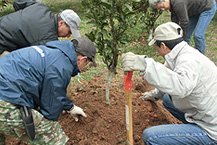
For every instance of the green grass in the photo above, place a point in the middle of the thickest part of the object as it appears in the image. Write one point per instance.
(57, 5)
(211, 40)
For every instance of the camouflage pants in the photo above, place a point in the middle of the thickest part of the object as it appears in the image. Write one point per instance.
(46, 131)
(4, 53)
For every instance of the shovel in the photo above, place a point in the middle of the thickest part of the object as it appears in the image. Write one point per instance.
(128, 107)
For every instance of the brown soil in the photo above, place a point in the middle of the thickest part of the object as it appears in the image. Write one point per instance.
(106, 125)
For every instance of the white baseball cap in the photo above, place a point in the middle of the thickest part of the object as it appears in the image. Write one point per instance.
(167, 31)
(72, 19)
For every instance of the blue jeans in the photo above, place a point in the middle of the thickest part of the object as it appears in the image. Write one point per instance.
(198, 26)
(176, 134)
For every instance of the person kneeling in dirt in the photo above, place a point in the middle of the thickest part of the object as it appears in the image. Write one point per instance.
(37, 77)
(187, 82)
(33, 23)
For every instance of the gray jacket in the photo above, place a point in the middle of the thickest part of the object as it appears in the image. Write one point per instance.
(190, 78)
(32, 24)
(181, 10)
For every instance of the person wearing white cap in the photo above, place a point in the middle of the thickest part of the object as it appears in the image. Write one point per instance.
(186, 82)
(33, 23)
(72, 20)
(193, 16)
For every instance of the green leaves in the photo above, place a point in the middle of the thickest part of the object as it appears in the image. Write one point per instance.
(106, 3)
(110, 18)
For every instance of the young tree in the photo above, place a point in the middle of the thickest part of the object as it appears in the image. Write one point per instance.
(111, 20)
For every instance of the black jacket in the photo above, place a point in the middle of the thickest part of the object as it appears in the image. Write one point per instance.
(181, 10)
(32, 24)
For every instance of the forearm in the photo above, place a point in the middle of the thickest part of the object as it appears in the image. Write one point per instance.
(166, 80)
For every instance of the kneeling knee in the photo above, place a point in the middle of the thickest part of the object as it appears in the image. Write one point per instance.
(147, 136)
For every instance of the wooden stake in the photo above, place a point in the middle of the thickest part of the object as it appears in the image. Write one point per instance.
(128, 107)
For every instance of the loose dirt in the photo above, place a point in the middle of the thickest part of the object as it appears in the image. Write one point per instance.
(105, 124)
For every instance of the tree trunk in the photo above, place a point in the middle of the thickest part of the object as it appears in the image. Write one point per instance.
(111, 74)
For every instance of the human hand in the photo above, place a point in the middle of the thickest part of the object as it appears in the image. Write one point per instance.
(76, 112)
(133, 62)
(152, 95)
(148, 96)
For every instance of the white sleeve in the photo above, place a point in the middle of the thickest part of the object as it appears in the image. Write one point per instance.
(178, 83)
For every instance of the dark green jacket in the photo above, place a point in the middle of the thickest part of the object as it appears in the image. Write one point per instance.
(32, 24)
(181, 10)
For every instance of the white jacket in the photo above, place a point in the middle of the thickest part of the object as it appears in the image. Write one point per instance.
(191, 79)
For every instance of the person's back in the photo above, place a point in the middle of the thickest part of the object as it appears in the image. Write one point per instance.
(206, 69)
(34, 68)
(32, 24)
(33, 84)
(196, 89)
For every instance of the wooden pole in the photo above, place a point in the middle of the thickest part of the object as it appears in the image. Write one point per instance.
(128, 107)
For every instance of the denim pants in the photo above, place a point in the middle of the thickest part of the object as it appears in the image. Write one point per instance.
(176, 134)
(198, 26)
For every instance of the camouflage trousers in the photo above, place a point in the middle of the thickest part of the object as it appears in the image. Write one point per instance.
(4, 53)
(46, 131)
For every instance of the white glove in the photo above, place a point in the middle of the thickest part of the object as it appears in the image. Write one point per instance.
(133, 62)
(76, 112)
(152, 95)
(148, 96)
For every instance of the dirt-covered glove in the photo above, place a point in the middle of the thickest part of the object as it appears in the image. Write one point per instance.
(152, 95)
(76, 111)
(133, 62)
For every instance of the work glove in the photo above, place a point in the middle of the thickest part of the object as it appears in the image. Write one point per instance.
(152, 95)
(76, 111)
(133, 62)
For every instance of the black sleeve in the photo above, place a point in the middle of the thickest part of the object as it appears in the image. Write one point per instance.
(180, 16)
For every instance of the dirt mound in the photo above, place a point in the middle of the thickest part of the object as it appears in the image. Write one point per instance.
(105, 125)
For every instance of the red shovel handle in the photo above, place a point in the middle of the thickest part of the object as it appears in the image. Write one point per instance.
(128, 81)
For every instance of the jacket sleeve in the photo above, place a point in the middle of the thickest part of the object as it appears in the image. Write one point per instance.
(180, 16)
(21, 4)
(178, 82)
(174, 18)
(54, 91)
